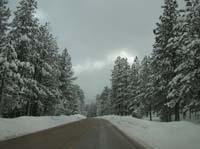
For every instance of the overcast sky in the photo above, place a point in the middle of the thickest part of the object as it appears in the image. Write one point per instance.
(97, 31)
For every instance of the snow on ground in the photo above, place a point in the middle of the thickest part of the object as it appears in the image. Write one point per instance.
(11, 128)
(159, 135)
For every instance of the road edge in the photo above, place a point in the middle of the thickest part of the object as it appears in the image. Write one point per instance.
(35, 132)
(140, 144)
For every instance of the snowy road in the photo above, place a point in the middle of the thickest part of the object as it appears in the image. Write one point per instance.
(85, 134)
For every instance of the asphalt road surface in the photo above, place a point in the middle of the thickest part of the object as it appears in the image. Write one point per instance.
(85, 134)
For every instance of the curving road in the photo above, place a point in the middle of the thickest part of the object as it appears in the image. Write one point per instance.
(85, 134)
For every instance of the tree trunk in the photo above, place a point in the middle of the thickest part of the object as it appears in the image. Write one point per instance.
(195, 114)
(190, 111)
(176, 110)
(29, 109)
(45, 109)
(35, 109)
(169, 117)
(1, 98)
(147, 114)
(150, 114)
(184, 115)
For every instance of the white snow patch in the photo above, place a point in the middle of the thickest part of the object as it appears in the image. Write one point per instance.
(11, 128)
(159, 135)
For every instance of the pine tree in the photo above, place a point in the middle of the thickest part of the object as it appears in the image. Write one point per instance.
(25, 30)
(78, 100)
(8, 65)
(133, 88)
(120, 78)
(185, 85)
(114, 86)
(106, 103)
(103, 102)
(4, 25)
(66, 82)
(164, 57)
(9, 91)
(146, 87)
(48, 71)
(4, 17)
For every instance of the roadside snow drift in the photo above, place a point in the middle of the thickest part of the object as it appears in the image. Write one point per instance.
(11, 128)
(159, 135)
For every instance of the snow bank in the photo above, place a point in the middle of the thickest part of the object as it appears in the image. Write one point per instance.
(10, 128)
(159, 135)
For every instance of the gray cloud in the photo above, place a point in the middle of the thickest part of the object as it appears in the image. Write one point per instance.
(95, 31)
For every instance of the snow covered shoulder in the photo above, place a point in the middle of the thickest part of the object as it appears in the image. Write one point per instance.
(11, 128)
(159, 135)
